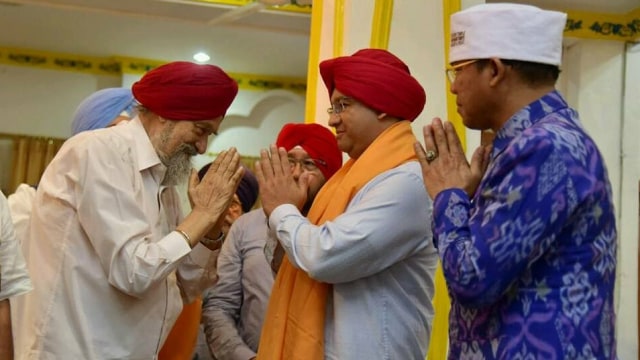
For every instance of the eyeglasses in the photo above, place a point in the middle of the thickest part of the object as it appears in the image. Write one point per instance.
(308, 164)
(453, 71)
(235, 202)
(340, 105)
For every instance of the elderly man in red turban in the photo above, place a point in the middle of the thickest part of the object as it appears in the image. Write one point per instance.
(112, 258)
(357, 281)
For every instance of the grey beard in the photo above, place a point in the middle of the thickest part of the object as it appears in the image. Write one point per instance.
(178, 165)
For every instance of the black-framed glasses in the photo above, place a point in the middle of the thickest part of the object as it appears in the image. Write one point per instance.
(453, 71)
(340, 105)
(308, 164)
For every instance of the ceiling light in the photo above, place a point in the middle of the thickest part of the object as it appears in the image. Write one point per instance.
(201, 57)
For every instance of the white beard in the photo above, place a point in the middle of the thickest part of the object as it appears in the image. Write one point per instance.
(179, 162)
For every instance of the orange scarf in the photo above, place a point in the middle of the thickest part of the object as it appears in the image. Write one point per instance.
(294, 323)
(182, 340)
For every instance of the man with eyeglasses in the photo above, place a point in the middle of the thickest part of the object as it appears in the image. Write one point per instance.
(113, 258)
(526, 233)
(187, 333)
(357, 281)
(233, 309)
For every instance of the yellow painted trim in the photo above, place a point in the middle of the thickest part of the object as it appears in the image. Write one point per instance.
(268, 82)
(303, 9)
(137, 66)
(439, 343)
(315, 41)
(449, 7)
(224, 2)
(381, 25)
(58, 61)
(118, 65)
(588, 25)
(338, 28)
(306, 9)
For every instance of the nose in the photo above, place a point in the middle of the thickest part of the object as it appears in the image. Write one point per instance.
(296, 170)
(453, 88)
(334, 120)
(201, 145)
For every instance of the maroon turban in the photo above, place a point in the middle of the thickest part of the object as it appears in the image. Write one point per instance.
(183, 90)
(378, 79)
(318, 141)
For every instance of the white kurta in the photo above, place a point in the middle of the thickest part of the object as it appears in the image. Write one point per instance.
(20, 205)
(14, 279)
(102, 254)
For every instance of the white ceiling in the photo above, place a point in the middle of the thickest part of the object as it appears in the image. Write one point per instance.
(175, 29)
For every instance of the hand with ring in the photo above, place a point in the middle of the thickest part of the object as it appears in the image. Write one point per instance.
(452, 170)
(431, 155)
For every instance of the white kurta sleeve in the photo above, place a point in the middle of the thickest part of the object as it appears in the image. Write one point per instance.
(14, 279)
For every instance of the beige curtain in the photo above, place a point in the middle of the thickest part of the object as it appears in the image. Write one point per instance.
(249, 162)
(31, 155)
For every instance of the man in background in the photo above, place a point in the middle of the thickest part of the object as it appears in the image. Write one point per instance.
(187, 332)
(103, 108)
(14, 279)
(234, 309)
(528, 248)
(111, 256)
(357, 279)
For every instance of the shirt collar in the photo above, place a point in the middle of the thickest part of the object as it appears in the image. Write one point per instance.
(147, 157)
(525, 118)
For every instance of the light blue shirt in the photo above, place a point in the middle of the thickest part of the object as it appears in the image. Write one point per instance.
(379, 257)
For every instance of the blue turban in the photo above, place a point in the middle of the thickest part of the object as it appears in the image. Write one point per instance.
(101, 108)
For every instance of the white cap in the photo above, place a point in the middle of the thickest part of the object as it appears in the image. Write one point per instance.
(507, 31)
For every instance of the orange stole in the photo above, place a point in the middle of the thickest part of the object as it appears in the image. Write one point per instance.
(294, 323)
(182, 339)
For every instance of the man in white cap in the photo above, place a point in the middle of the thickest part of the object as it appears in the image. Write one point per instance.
(526, 233)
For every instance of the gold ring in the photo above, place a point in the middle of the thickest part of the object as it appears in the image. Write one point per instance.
(431, 155)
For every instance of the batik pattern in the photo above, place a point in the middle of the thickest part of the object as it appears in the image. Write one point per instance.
(530, 260)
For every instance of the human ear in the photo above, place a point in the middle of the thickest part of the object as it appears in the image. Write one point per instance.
(498, 71)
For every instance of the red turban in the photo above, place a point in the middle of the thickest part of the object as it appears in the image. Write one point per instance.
(318, 141)
(183, 90)
(378, 79)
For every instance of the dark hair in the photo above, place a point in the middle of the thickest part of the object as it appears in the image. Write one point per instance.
(533, 74)
(247, 189)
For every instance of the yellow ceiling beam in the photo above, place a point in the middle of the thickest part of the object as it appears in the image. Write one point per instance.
(305, 9)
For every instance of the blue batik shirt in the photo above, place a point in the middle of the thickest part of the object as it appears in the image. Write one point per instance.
(530, 261)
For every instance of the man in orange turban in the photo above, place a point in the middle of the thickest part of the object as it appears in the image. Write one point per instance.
(357, 281)
(112, 258)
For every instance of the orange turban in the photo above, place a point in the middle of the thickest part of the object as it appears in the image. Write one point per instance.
(183, 90)
(378, 79)
(318, 141)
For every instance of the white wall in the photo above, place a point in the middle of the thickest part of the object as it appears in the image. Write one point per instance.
(41, 102)
(248, 50)
(628, 207)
